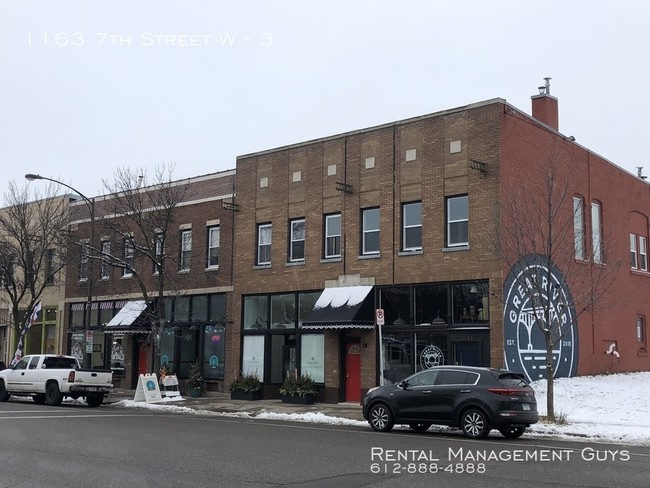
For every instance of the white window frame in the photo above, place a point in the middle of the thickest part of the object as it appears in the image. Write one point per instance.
(331, 236)
(408, 225)
(643, 253)
(579, 228)
(186, 250)
(264, 242)
(214, 242)
(159, 248)
(596, 232)
(634, 260)
(297, 236)
(105, 267)
(129, 256)
(640, 330)
(369, 231)
(458, 219)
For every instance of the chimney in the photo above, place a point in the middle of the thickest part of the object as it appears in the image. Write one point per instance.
(545, 106)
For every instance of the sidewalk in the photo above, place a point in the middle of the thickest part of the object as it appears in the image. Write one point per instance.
(221, 402)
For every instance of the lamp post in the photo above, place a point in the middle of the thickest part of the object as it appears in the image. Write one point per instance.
(89, 302)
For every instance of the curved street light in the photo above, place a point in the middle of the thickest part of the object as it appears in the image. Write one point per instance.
(89, 302)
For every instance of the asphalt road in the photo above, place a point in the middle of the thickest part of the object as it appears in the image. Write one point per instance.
(109, 446)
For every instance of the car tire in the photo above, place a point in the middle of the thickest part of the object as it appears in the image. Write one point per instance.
(380, 418)
(53, 395)
(511, 432)
(95, 400)
(4, 394)
(474, 424)
(39, 398)
(420, 427)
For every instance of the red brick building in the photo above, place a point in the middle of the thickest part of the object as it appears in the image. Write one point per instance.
(402, 217)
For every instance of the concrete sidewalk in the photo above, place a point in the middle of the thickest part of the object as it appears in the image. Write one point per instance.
(221, 402)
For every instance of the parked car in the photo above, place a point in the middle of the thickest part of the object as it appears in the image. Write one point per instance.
(475, 399)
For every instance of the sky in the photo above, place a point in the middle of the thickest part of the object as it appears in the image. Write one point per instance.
(592, 406)
(91, 86)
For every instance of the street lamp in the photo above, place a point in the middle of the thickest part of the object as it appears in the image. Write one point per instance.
(91, 206)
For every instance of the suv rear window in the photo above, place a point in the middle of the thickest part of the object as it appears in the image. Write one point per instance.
(512, 379)
(60, 363)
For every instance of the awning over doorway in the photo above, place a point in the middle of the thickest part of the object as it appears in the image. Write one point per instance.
(127, 315)
(346, 307)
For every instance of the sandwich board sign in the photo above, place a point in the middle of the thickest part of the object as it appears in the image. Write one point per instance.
(147, 389)
(170, 385)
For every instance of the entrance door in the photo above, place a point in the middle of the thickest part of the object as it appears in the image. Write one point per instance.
(352, 373)
(467, 353)
(142, 361)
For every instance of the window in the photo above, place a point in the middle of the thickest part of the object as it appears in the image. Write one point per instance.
(640, 330)
(578, 228)
(264, 236)
(457, 221)
(643, 254)
(84, 262)
(159, 245)
(49, 267)
(633, 258)
(105, 269)
(129, 257)
(333, 236)
(370, 237)
(214, 236)
(297, 240)
(412, 226)
(186, 250)
(596, 232)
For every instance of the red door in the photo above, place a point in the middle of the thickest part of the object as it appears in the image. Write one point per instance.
(353, 373)
(142, 361)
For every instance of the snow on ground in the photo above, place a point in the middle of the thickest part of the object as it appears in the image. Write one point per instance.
(610, 408)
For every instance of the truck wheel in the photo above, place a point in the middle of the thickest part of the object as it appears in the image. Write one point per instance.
(39, 398)
(4, 395)
(53, 395)
(95, 400)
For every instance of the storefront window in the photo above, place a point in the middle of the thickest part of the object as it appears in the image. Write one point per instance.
(217, 308)
(306, 303)
(167, 349)
(256, 312)
(431, 350)
(283, 311)
(34, 340)
(200, 308)
(50, 339)
(470, 302)
(182, 309)
(105, 315)
(396, 349)
(396, 302)
(77, 319)
(283, 356)
(188, 350)
(214, 349)
(312, 356)
(253, 356)
(431, 304)
(117, 357)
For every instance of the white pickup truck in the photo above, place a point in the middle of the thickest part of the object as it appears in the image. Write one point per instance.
(48, 378)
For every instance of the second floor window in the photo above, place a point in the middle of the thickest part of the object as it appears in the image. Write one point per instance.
(214, 236)
(596, 232)
(297, 245)
(638, 252)
(457, 221)
(129, 257)
(264, 237)
(159, 245)
(370, 238)
(333, 236)
(186, 250)
(84, 262)
(412, 226)
(578, 228)
(105, 269)
(640, 330)
(49, 267)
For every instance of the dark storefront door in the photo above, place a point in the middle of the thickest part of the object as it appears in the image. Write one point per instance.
(467, 353)
(352, 373)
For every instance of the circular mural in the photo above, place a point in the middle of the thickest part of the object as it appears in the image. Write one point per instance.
(530, 292)
(431, 356)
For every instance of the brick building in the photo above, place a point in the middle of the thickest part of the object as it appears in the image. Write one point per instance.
(403, 217)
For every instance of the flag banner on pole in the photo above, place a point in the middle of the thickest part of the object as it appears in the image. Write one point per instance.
(19, 348)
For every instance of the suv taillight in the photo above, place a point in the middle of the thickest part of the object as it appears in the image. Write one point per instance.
(509, 391)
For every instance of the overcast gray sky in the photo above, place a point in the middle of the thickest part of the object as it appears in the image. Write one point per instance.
(90, 86)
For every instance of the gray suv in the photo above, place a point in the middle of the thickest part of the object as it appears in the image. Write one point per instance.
(474, 399)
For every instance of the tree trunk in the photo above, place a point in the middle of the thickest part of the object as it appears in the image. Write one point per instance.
(550, 411)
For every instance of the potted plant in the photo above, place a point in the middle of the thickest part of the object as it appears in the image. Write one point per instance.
(247, 387)
(194, 381)
(298, 389)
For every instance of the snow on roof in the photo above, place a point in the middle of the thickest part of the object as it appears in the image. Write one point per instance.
(347, 296)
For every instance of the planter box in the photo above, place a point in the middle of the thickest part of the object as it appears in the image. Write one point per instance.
(195, 392)
(301, 400)
(246, 395)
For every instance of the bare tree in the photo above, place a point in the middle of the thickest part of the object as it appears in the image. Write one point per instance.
(556, 275)
(33, 246)
(141, 214)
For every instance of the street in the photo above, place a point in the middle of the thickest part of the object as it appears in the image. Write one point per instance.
(109, 446)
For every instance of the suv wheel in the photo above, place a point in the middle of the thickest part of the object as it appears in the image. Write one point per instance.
(380, 418)
(474, 424)
(511, 432)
